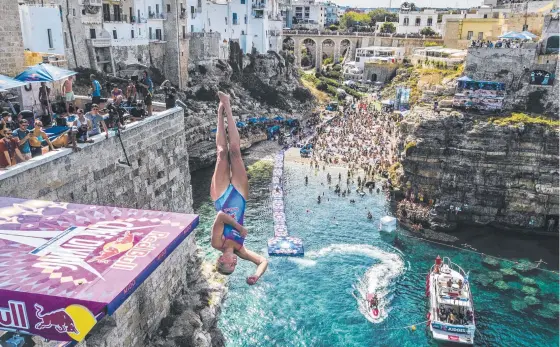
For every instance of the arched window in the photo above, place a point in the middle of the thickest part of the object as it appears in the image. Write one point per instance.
(552, 44)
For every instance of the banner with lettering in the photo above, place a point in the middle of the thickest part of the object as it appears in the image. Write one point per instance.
(65, 265)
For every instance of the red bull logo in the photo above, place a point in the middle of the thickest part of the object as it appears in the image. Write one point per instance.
(14, 316)
(111, 249)
(58, 319)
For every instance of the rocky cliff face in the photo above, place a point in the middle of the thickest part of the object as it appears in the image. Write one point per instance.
(259, 85)
(479, 172)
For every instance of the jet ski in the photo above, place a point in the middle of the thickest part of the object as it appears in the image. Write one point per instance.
(375, 309)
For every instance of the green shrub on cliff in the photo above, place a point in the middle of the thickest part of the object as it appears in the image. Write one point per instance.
(409, 145)
(517, 118)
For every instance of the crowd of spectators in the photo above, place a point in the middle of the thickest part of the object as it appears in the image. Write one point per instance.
(24, 136)
(497, 44)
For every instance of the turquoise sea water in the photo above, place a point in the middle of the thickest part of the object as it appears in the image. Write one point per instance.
(317, 300)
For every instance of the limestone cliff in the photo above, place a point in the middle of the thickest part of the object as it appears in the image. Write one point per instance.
(259, 85)
(501, 175)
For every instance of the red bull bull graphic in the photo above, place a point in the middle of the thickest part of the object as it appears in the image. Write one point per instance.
(64, 266)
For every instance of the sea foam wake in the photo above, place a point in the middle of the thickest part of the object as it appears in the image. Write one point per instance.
(377, 279)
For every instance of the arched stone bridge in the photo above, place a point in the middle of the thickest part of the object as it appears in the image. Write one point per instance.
(344, 42)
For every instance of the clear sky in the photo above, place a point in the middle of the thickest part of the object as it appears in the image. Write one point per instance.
(419, 3)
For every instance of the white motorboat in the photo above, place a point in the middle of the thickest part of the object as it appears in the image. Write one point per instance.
(451, 314)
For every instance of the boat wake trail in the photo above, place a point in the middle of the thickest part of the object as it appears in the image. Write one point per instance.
(377, 279)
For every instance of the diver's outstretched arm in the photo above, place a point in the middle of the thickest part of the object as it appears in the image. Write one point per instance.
(259, 260)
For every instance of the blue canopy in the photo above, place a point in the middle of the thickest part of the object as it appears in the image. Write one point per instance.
(512, 35)
(214, 130)
(529, 34)
(240, 124)
(252, 120)
(262, 119)
(278, 118)
(44, 73)
(9, 83)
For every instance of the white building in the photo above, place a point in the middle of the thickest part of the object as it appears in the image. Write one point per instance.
(41, 29)
(253, 23)
(379, 55)
(448, 56)
(412, 22)
(308, 14)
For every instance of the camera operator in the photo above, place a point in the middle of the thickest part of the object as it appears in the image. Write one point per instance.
(116, 114)
(170, 94)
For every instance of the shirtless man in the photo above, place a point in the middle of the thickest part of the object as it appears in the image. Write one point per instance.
(229, 191)
(68, 92)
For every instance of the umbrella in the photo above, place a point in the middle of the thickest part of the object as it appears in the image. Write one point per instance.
(464, 79)
(263, 119)
(529, 34)
(9, 83)
(240, 124)
(214, 130)
(44, 73)
(278, 118)
(512, 35)
(252, 120)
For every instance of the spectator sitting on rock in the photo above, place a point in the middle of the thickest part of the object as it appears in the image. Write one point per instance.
(37, 138)
(96, 119)
(23, 135)
(9, 149)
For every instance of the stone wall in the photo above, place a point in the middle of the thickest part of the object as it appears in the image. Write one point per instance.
(11, 40)
(204, 48)
(513, 66)
(382, 72)
(501, 175)
(124, 55)
(159, 178)
(179, 302)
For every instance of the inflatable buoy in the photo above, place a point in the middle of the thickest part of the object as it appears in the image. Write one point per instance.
(413, 328)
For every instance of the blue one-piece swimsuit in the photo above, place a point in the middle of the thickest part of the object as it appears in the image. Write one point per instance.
(232, 203)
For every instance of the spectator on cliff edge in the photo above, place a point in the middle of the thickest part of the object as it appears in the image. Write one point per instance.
(95, 90)
(131, 93)
(23, 135)
(96, 119)
(148, 90)
(9, 150)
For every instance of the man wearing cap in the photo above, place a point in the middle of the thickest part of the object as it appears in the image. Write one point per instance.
(9, 150)
(23, 135)
(96, 119)
(95, 90)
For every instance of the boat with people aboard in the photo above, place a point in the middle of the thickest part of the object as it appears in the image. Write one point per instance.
(451, 314)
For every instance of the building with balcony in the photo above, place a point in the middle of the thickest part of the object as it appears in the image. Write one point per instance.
(447, 56)
(109, 35)
(308, 14)
(330, 13)
(252, 23)
(379, 55)
(412, 22)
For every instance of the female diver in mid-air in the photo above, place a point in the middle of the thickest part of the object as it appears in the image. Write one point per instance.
(229, 191)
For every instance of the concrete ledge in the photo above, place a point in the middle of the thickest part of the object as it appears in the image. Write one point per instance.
(59, 153)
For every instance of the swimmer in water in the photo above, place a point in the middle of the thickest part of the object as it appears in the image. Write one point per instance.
(319, 199)
(229, 191)
(369, 215)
